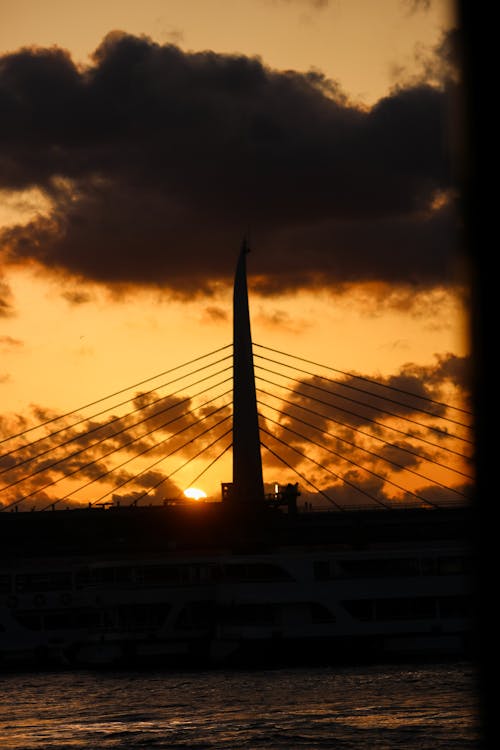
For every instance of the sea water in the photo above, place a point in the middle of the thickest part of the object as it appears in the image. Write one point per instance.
(378, 707)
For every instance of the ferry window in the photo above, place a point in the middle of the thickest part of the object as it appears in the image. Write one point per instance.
(320, 613)
(379, 567)
(146, 616)
(251, 613)
(360, 609)
(205, 573)
(428, 566)
(267, 572)
(61, 580)
(30, 620)
(74, 619)
(157, 575)
(102, 577)
(239, 572)
(105, 618)
(195, 615)
(82, 578)
(451, 565)
(455, 606)
(189, 573)
(95, 577)
(235, 572)
(59, 620)
(123, 575)
(46, 581)
(5, 584)
(216, 573)
(405, 608)
(322, 570)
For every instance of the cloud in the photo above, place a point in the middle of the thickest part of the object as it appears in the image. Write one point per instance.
(215, 314)
(282, 320)
(413, 6)
(374, 400)
(6, 306)
(119, 454)
(76, 297)
(437, 65)
(310, 3)
(155, 161)
(367, 436)
(8, 343)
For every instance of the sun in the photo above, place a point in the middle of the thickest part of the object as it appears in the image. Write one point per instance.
(193, 493)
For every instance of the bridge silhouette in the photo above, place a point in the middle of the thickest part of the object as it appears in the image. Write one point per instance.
(349, 441)
(347, 438)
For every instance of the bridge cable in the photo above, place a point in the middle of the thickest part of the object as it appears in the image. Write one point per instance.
(214, 461)
(111, 395)
(356, 429)
(360, 466)
(115, 450)
(193, 458)
(360, 447)
(368, 380)
(85, 433)
(303, 477)
(160, 460)
(346, 481)
(113, 435)
(364, 417)
(441, 432)
(144, 471)
(365, 391)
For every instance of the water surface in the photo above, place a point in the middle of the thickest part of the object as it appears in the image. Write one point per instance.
(432, 706)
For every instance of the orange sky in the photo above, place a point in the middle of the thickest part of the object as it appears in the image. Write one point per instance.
(65, 343)
(364, 45)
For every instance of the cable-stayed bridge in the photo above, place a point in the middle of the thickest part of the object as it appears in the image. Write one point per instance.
(258, 574)
(349, 441)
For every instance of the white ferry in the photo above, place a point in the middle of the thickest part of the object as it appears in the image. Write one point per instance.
(225, 608)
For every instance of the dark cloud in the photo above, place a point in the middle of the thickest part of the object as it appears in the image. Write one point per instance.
(101, 454)
(6, 305)
(76, 297)
(416, 5)
(449, 55)
(8, 342)
(156, 161)
(438, 65)
(216, 314)
(360, 401)
(324, 429)
(310, 3)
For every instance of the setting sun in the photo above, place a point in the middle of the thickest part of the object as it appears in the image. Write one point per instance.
(193, 493)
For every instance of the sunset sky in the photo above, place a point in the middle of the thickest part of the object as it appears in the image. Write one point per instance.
(139, 143)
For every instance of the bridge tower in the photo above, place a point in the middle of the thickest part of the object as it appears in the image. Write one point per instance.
(248, 483)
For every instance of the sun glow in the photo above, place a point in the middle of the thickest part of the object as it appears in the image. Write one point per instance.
(193, 493)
